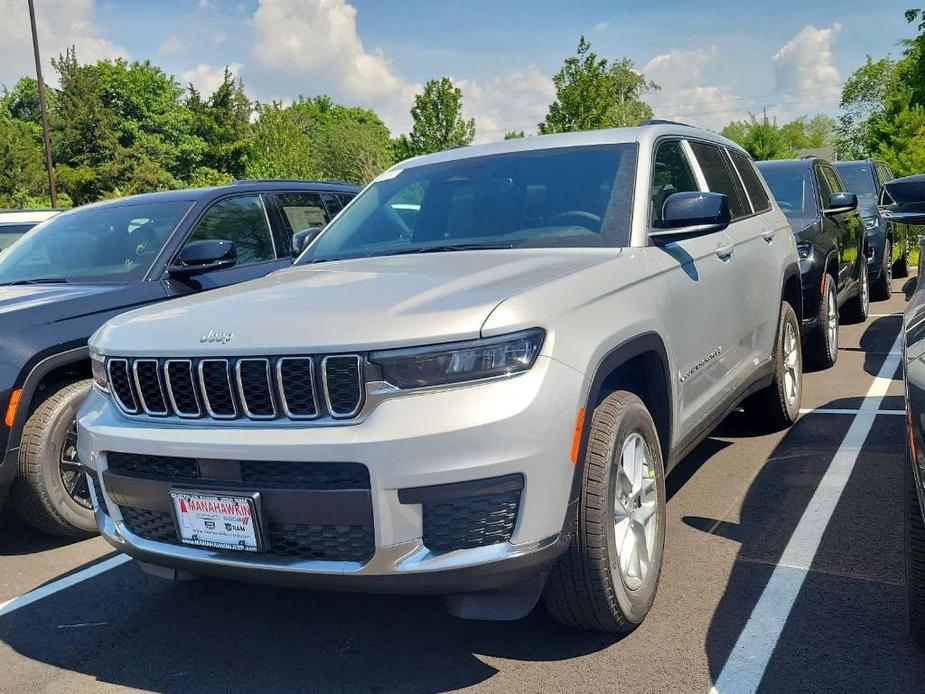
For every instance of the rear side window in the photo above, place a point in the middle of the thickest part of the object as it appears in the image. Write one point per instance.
(756, 193)
(301, 211)
(243, 221)
(835, 182)
(824, 185)
(721, 179)
(670, 174)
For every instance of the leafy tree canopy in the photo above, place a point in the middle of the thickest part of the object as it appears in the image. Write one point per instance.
(437, 119)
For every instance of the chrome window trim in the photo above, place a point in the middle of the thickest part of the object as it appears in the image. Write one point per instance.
(327, 395)
(240, 387)
(205, 392)
(128, 376)
(141, 395)
(282, 389)
(192, 378)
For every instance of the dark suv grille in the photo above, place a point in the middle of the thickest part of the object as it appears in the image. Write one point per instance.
(252, 388)
(474, 521)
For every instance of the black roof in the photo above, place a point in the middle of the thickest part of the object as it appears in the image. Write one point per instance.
(255, 186)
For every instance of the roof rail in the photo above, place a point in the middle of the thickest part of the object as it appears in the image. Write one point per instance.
(241, 181)
(660, 121)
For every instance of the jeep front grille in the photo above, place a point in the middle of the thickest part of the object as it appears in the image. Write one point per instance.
(256, 388)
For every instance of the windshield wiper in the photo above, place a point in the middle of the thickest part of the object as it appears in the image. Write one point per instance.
(38, 280)
(455, 247)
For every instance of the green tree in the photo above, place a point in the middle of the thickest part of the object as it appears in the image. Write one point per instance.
(762, 138)
(222, 122)
(514, 135)
(278, 148)
(592, 93)
(437, 119)
(864, 96)
(22, 166)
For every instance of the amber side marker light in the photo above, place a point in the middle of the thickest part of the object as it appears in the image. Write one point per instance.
(576, 437)
(12, 407)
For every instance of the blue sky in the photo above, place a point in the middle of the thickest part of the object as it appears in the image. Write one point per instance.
(715, 60)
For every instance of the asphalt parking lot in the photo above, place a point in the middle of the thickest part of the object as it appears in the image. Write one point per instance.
(784, 567)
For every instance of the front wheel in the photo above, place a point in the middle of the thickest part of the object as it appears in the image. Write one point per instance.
(51, 491)
(822, 345)
(778, 405)
(901, 266)
(856, 309)
(882, 287)
(607, 578)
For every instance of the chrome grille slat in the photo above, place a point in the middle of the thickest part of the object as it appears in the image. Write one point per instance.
(218, 384)
(185, 387)
(152, 400)
(251, 388)
(121, 382)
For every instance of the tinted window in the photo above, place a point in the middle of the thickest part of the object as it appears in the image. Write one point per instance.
(825, 186)
(792, 188)
(546, 198)
(112, 243)
(859, 179)
(746, 168)
(11, 232)
(835, 181)
(720, 177)
(670, 174)
(333, 203)
(301, 211)
(243, 221)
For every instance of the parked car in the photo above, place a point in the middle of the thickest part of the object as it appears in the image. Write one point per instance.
(832, 245)
(888, 241)
(904, 203)
(64, 279)
(15, 223)
(475, 394)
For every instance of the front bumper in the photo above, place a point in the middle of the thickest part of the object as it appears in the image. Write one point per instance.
(521, 426)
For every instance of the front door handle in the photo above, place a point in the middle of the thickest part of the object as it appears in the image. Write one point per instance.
(768, 234)
(724, 251)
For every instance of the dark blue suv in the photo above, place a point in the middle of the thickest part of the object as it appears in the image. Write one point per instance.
(69, 275)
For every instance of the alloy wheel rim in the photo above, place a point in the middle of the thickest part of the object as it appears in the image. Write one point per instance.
(72, 471)
(832, 326)
(865, 298)
(791, 364)
(888, 265)
(635, 504)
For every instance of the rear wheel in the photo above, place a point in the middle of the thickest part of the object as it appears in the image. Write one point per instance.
(778, 405)
(901, 266)
(822, 346)
(51, 491)
(882, 287)
(606, 580)
(856, 309)
(915, 559)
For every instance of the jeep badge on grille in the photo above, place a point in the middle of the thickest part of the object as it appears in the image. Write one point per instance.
(216, 337)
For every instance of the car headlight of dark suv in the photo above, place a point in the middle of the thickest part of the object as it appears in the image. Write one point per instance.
(805, 250)
(458, 362)
(100, 376)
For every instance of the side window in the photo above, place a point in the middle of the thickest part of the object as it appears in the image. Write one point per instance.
(301, 211)
(835, 182)
(721, 179)
(824, 185)
(746, 168)
(670, 174)
(333, 203)
(345, 198)
(243, 221)
(884, 174)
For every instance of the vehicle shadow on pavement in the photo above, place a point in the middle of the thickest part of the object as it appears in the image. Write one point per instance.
(17, 538)
(847, 630)
(123, 627)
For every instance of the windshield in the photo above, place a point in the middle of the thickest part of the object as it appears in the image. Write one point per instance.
(110, 244)
(859, 179)
(11, 232)
(574, 197)
(792, 189)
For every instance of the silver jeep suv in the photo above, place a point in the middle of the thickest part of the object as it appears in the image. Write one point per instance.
(472, 383)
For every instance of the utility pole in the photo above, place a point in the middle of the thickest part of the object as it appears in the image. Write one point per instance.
(43, 107)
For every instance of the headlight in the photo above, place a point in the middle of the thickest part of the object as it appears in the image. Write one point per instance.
(805, 249)
(100, 377)
(870, 222)
(457, 362)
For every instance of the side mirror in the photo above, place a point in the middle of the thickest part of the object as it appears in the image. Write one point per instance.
(903, 200)
(839, 203)
(302, 239)
(691, 214)
(203, 256)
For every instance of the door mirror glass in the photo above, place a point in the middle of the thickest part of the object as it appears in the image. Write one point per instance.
(302, 239)
(840, 203)
(204, 256)
(692, 214)
(903, 200)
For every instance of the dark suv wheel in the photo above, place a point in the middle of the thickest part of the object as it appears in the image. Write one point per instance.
(882, 287)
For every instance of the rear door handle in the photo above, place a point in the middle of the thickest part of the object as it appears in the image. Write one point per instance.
(724, 251)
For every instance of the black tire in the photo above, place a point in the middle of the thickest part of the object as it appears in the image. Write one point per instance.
(901, 266)
(822, 345)
(587, 588)
(39, 494)
(915, 558)
(778, 405)
(882, 287)
(855, 311)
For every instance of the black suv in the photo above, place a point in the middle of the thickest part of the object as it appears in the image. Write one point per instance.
(888, 240)
(832, 245)
(60, 282)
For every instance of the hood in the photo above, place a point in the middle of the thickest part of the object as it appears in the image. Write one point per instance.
(801, 226)
(25, 306)
(360, 304)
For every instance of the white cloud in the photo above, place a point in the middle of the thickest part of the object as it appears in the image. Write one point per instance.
(602, 26)
(205, 4)
(172, 45)
(219, 38)
(206, 79)
(804, 75)
(312, 46)
(515, 100)
(60, 25)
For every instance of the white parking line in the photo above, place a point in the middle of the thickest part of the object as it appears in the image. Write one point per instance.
(749, 657)
(55, 586)
(838, 410)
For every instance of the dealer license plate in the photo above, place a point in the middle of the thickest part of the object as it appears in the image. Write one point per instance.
(211, 520)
